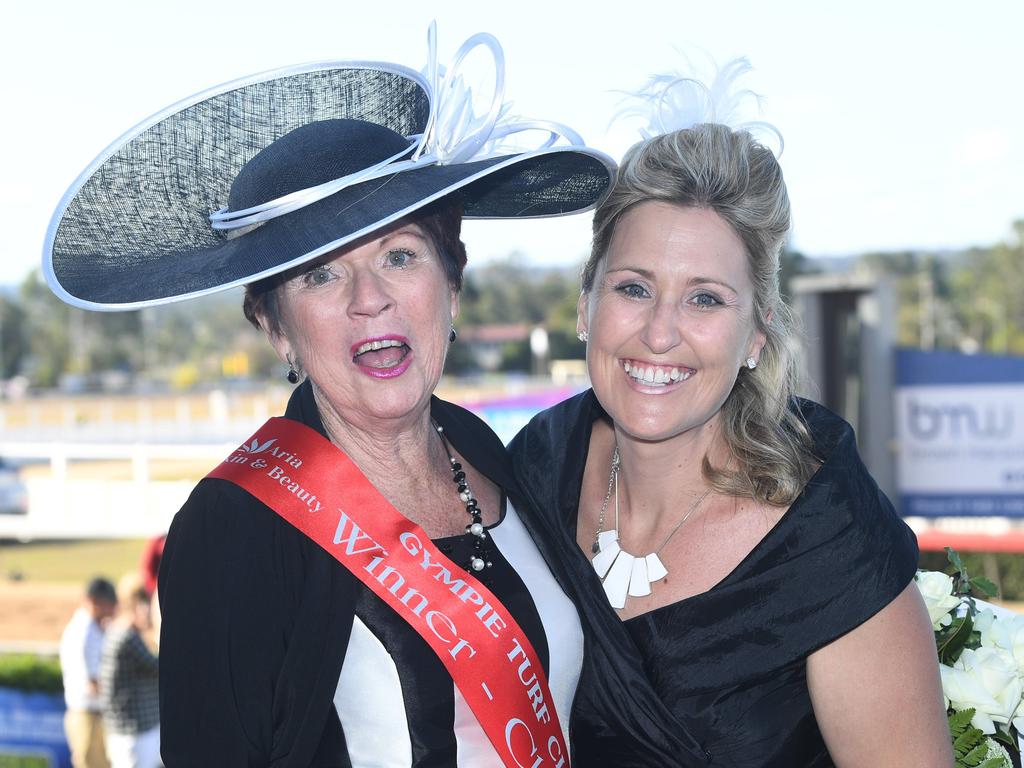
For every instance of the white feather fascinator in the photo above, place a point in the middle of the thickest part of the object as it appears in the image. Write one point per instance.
(676, 101)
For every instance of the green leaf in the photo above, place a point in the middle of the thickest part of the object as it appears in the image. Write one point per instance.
(970, 745)
(954, 559)
(969, 755)
(984, 586)
(1008, 741)
(951, 645)
(967, 745)
(966, 738)
(975, 757)
(960, 721)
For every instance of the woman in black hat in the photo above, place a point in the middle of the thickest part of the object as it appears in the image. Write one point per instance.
(357, 584)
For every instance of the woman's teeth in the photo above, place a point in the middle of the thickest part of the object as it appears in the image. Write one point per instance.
(655, 375)
(375, 345)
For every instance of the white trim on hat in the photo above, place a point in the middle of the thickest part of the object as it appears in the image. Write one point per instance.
(339, 242)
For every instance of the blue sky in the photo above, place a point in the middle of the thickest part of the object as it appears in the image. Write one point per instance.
(903, 120)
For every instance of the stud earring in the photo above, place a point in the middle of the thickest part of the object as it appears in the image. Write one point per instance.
(293, 374)
(751, 363)
(582, 336)
(452, 335)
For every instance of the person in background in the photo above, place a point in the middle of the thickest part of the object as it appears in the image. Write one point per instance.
(129, 694)
(149, 565)
(81, 647)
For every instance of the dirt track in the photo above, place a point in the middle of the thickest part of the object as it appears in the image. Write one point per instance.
(33, 614)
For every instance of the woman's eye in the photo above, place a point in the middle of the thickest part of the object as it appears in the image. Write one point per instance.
(317, 276)
(399, 258)
(633, 290)
(706, 300)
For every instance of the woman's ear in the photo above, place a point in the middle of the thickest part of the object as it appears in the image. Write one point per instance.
(277, 338)
(757, 346)
(455, 305)
(281, 346)
(760, 339)
(582, 320)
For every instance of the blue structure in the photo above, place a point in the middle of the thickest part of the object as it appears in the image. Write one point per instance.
(960, 430)
(32, 730)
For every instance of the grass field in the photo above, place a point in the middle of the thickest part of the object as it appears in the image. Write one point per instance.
(41, 584)
(69, 561)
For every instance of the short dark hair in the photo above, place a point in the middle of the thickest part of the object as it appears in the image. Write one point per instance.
(440, 221)
(100, 590)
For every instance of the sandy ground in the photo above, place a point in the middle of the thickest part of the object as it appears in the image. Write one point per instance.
(33, 615)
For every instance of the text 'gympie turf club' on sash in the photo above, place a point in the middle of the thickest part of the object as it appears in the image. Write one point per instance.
(313, 485)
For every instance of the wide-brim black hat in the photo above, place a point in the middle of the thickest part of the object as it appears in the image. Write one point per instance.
(134, 229)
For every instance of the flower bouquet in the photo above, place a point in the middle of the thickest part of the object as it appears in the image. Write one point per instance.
(981, 658)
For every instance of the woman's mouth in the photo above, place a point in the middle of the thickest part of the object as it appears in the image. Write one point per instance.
(650, 375)
(384, 357)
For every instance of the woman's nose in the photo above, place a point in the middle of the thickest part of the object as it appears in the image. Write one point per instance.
(369, 294)
(661, 332)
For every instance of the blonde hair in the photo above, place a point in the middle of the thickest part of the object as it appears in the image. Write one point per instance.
(714, 167)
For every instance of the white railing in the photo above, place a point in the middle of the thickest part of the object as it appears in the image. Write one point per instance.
(63, 505)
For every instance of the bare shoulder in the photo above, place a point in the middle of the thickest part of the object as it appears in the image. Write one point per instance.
(883, 677)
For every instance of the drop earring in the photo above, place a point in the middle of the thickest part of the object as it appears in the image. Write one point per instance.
(293, 374)
(452, 335)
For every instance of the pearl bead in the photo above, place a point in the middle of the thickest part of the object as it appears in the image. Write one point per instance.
(476, 527)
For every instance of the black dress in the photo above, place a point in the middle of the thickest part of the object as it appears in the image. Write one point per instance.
(261, 627)
(726, 669)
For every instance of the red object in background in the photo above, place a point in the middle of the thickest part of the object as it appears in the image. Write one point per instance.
(936, 541)
(150, 564)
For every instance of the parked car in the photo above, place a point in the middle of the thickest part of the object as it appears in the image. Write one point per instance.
(13, 494)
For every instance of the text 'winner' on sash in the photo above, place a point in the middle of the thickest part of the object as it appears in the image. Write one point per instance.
(312, 484)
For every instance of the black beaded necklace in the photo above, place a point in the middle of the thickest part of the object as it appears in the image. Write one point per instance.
(479, 560)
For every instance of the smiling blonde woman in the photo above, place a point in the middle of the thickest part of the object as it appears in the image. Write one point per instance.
(751, 586)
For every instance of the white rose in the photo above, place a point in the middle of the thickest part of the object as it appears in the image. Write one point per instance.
(987, 680)
(937, 590)
(983, 620)
(1003, 632)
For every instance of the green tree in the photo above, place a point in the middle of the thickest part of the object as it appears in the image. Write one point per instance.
(13, 337)
(925, 297)
(510, 291)
(48, 324)
(989, 295)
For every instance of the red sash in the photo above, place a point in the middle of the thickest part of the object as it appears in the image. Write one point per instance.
(313, 485)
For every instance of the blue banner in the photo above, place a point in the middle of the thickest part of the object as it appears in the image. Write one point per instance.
(32, 730)
(960, 433)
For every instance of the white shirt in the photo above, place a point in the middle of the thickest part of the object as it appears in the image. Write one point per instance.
(372, 699)
(81, 648)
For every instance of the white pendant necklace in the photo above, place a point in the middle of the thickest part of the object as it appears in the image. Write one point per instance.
(624, 574)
